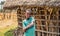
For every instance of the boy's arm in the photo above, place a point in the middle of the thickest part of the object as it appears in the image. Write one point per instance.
(31, 24)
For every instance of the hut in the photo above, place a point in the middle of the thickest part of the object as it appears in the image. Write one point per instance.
(46, 13)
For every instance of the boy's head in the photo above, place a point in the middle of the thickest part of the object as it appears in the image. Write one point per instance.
(28, 13)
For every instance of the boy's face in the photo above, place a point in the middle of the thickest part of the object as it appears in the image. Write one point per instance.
(27, 15)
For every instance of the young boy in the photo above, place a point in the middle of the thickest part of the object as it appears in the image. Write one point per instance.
(28, 24)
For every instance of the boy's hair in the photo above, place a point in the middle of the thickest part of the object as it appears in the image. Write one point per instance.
(28, 11)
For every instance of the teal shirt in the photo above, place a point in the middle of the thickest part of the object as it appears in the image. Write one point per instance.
(30, 31)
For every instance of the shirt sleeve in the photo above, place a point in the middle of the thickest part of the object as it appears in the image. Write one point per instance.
(33, 20)
(23, 23)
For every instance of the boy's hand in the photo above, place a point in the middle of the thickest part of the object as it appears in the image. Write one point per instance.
(24, 30)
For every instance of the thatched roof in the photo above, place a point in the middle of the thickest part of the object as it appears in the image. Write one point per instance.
(11, 3)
